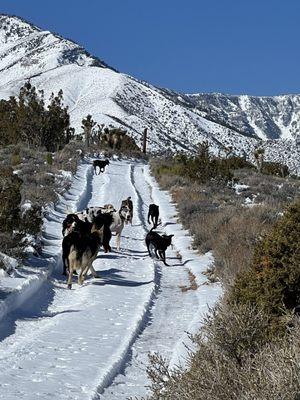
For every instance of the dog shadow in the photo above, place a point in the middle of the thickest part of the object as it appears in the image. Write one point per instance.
(112, 277)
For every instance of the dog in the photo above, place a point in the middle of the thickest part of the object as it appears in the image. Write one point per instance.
(74, 222)
(81, 250)
(101, 164)
(80, 229)
(128, 202)
(153, 212)
(118, 221)
(91, 212)
(160, 243)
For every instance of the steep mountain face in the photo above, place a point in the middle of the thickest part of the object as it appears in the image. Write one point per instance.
(263, 117)
(26, 50)
(231, 124)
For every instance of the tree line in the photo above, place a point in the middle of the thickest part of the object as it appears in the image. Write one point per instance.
(26, 118)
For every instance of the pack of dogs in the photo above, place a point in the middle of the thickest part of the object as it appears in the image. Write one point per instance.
(85, 232)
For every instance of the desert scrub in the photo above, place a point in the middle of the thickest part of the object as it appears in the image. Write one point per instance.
(273, 281)
(218, 217)
(234, 360)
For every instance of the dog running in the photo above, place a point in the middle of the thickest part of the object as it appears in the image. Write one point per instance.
(159, 243)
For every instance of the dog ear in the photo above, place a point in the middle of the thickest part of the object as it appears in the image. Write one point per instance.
(171, 236)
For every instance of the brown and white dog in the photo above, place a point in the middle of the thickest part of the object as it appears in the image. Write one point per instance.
(86, 215)
(79, 251)
(119, 219)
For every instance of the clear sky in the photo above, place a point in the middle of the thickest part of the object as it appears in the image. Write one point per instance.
(229, 46)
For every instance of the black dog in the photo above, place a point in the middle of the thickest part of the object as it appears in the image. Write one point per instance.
(154, 214)
(160, 244)
(81, 230)
(106, 220)
(72, 222)
(101, 164)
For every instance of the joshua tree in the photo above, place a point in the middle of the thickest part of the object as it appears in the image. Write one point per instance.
(87, 125)
(259, 158)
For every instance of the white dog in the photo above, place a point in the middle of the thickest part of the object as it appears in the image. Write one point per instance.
(119, 219)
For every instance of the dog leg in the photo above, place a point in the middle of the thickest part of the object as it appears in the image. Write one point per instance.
(150, 255)
(84, 272)
(70, 277)
(118, 240)
(94, 273)
(163, 257)
(80, 277)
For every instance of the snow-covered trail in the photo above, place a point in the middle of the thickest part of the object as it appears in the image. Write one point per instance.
(92, 342)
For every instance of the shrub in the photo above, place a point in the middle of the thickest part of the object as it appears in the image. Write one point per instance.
(273, 282)
(10, 186)
(275, 168)
(49, 159)
(233, 361)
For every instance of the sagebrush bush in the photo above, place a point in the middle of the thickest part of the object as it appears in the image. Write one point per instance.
(273, 282)
(10, 194)
(234, 360)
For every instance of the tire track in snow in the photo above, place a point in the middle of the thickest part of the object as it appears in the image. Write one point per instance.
(169, 314)
(119, 366)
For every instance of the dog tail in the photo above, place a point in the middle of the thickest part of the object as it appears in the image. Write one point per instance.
(156, 225)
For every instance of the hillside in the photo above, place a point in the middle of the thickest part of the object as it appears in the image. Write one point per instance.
(175, 121)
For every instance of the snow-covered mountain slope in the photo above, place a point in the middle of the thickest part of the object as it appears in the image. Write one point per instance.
(175, 122)
(26, 50)
(263, 117)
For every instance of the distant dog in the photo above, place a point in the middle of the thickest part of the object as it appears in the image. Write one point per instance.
(154, 214)
(100, 164)
(128, 202)
(81, 250)
(160, 243)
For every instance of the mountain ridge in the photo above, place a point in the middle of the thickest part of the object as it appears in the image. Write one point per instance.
(175, 122)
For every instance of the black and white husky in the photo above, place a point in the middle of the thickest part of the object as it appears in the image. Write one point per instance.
(119, 219)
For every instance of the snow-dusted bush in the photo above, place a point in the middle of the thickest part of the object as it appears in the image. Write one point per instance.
(233, 361)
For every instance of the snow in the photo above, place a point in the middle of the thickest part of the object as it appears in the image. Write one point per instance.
(93, 341)
(240, 187)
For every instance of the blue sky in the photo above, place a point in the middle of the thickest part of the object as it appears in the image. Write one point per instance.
(229, 46)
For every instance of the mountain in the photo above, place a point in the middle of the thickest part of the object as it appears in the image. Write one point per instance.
(175, 121)
(263, 117)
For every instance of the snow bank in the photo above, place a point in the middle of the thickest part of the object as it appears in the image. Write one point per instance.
(207, 294)
(20, 286)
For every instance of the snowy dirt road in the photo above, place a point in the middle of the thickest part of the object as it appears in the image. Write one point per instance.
(92, 342)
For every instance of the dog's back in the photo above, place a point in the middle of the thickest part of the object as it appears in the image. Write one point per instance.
(158, 241)
(153, 212)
